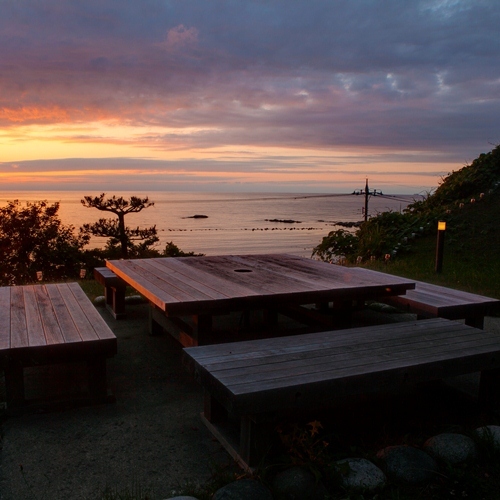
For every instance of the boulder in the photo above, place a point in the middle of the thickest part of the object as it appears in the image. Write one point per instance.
(360, 475)
(452, 448)
(298, 483)
(489, 435)
(407, 464)
(245, 489)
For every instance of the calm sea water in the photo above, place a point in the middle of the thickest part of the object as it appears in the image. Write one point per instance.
(236, 223)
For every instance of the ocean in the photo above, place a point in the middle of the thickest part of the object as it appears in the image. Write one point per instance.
(233, 223)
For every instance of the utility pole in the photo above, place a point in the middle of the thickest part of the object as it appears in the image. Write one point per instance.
(367, 194)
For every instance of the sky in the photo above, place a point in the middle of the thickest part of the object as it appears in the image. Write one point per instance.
(222, 95)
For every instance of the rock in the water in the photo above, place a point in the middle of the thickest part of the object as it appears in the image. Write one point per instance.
(407, 464)
(489, 435)
(245, 489)
(360, 475)
(451, 448)
(298, 483)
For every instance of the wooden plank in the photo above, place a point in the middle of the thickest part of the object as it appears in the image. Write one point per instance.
(34, 323)
(131, 273)
(51, 327)
(262, 281)
(183, 265)
(313, 354)
(320, 340)
(167, 280)
(63, 309)
(19, 330)
(101, 329)
(350, 361)
(186, 281)
(4, 318)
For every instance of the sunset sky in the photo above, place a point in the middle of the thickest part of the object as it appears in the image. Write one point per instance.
(284, 95)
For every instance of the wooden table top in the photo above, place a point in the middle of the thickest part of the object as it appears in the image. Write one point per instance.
(204, 285)
(41, 316)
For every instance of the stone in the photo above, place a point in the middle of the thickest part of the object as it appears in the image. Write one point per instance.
(245, 489)
(407, 464)
(100, 301)
(360, 475)
(489, 434)
(182, 498)
(134, 299)
(452, 448)
(298, 483)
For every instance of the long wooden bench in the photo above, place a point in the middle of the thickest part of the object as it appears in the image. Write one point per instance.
(114, 291)
(432, 301)
(52, 324)
(254, 380)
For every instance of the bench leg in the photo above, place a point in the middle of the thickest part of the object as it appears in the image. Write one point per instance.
(115, 300)
(476, 322)
(489, 389)
(14, 383)
(254, 440)
(203, 324)
(97, 379)
(213, 411)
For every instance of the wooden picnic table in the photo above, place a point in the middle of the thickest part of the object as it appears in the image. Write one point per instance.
(52, 324)
(205, 286)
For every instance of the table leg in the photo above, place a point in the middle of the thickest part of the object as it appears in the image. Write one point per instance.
(14, 383)
(203, 324)
(489, 389)
(97, 379)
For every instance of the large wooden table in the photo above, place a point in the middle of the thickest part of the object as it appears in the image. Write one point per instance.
(205, 286)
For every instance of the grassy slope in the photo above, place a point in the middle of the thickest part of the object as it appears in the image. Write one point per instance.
(471, 256)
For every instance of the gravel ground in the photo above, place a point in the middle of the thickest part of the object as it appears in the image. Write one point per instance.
(151, 438)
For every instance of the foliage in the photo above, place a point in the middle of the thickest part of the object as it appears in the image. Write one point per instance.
(303, 445)
(481, 176)
(32, 238)
(121, 237)
(172, 250)
(337, 244)
(392, 233)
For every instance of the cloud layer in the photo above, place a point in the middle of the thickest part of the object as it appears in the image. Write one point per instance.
(351, 75)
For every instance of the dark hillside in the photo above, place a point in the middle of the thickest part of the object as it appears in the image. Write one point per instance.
(472, 250)
(468, 200)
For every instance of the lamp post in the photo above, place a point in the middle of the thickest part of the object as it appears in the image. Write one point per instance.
(440, 246)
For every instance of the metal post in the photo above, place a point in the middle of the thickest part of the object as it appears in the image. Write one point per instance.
(367, 192)
(440, 246)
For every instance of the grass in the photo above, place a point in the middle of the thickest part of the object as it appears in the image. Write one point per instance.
(471, 259)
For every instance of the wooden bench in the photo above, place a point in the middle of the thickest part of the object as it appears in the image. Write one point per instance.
(253, 381)
(114, 291)
(432, 301)
(52, 324)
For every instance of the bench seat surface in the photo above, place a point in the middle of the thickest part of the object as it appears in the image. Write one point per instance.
(436, 300)
(51, 318)
(271, 374)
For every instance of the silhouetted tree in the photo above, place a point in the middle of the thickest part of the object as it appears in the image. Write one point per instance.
(32, 239)
(115, 229)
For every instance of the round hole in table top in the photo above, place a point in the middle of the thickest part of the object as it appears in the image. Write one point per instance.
(242, 270)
